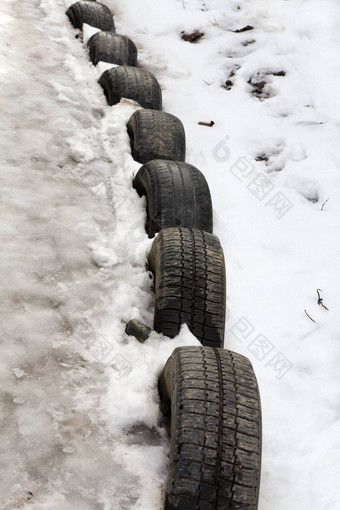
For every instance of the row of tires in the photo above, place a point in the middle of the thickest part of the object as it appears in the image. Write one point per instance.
(209, 394)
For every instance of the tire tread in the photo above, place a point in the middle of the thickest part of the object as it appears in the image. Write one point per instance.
(213, 463)
(177, 195)
(93, 13)
(106, 46)
(131, 83)
(156, 135)
(180, 295)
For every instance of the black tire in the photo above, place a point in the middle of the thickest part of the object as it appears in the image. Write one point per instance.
(177, 195)
(93, 13)
(156, 135)
(131, 83)
(112, 48)
(190, 287)
(213, 399)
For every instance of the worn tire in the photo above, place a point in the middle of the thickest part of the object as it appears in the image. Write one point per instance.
(213, 399)
(156, 135)
(131, 83)
(190, 287)
(177, 195)
(93, 13)
(112, 48)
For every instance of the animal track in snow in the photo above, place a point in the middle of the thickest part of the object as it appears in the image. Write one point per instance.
(274, 158)
(192, 37)
(247, 42)
(307, 188)
(261, 85)
(230, 82)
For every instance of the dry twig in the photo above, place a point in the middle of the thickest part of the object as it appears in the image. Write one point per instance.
(309, 317)
(320, 300)
(209, 124)
(325, 202)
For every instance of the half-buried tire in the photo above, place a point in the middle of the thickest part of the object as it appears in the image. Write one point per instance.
(156, 135)
(93, 13)
(109, 47)
(190, 284)
(213, 400)
(177, 194)
(131, 83)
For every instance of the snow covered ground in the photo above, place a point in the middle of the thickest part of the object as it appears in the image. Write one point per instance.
(80, 422)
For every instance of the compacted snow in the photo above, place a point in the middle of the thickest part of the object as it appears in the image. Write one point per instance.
(80, 420)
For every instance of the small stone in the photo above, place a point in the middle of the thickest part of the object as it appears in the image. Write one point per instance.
(227, 85)
(138, 330)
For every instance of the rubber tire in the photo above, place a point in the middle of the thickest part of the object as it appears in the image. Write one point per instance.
(177, 195)
(131, 83)
(156, 135)
(93, 13)
(213, 399)
(190, 284)
(112, 48)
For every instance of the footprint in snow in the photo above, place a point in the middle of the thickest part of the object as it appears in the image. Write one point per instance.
(261, 84)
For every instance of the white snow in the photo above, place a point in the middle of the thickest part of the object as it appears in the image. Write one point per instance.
(79, 409)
